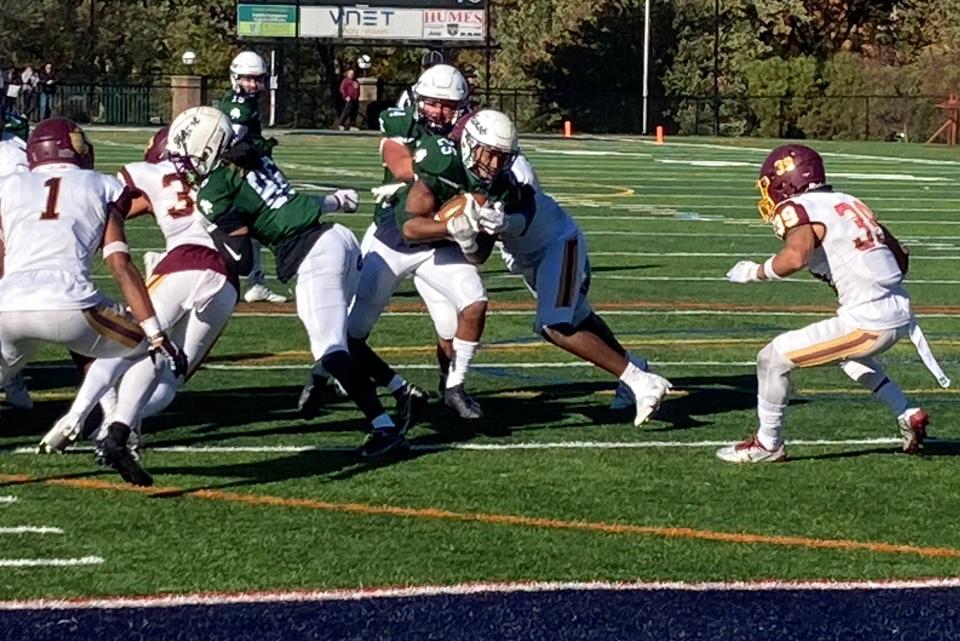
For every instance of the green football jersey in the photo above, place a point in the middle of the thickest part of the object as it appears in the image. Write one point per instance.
(15, 125)
(400, 124)
(244, 111)
(276, 214)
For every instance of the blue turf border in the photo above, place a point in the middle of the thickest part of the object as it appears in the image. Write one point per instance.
(601, 615)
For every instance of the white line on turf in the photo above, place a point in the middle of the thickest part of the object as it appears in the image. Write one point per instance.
(482, 366)
(31, 563)
(30, 529)
(482, 447)
(603, 312)
(7, 500)
(230, 598)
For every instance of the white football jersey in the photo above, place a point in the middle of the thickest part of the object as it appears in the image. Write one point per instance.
(53, 219)
(852, 255)
(13, 155)
(172, 201)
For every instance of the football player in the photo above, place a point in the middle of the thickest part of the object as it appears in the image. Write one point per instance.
(430, 59)
(194, 288)
(54, 219)
(248, 80)
(440, 98)
(325, 258)
(545, 245)
(13, 158)
(839, 240)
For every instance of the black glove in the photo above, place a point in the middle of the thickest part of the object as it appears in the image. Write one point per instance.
(243, 155)
(163, 347)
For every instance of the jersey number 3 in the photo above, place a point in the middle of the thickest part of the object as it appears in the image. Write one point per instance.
(184, 205)
(864, 219)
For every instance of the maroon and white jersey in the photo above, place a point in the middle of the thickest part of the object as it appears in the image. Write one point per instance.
(172, 201)
(852, 255)
(53, 220)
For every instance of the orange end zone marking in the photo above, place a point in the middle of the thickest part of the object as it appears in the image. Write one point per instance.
(502, 519)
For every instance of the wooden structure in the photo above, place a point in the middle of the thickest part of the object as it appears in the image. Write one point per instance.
(952, 109)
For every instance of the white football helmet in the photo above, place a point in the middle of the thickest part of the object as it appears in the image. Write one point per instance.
(488, 134)
(441, 82)
(248, 64)
(196, 140)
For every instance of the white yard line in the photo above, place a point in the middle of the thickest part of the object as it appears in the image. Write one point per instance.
(30, 529)
(32, 563)
(483, 447)
(482, 366)
(602, 312)
(463, 589)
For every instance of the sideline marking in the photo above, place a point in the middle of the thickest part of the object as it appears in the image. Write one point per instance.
(364, 509)
(30, 529)
(478, 447)
(33, 563)
(462, 589)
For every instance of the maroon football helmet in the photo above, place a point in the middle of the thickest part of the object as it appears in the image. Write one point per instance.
(59, 141)
(157, 148)
(788, 170)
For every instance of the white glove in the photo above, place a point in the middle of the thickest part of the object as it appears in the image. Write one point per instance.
(744, 272)
(386, 192)
(462, 232)
(471, 211)
(494, 221)
(347, 200)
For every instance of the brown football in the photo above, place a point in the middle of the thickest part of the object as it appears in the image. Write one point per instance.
(455, 206)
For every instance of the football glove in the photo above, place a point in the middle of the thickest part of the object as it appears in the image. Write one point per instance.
(161, 346)
(494, 221)
(385, 193)
(463, 233)
(347, 200)
(744, 272)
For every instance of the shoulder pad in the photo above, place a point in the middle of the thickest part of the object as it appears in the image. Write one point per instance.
(787, 215)
(397, 122)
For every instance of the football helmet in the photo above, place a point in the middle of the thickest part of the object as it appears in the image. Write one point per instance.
(488, 145)
(196, 141)
(430, 59)
(788, 170)
(248, 64)
(445, 84)
(157, 147)
(59, 141)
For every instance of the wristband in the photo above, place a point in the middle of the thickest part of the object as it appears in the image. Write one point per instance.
(116, 247)
(768, 272)
(150, 326)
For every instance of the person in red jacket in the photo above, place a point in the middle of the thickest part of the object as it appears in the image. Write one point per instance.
(350, 92)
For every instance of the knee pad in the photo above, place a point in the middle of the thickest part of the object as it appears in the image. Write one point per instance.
(770, 360)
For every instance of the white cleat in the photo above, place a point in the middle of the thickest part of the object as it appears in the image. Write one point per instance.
(649, 391)
(150, 262)
(751, 451)
(913, 428)
(260, 293)
(18, 396)
(64, 432)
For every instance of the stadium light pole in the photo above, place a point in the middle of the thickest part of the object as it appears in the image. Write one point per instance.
(646, 64)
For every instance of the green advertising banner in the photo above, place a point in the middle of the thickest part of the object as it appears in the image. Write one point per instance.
(266, 20)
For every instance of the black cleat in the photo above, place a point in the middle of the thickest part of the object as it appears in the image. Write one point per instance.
(457, 399)
(381, 441)
(312, 398)
(411, 401)
(113, 450)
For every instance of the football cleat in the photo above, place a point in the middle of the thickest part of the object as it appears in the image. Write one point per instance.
(64, 432)
(18, 396)
(383, 440)
(624, 398)
(457, 399)
(261, 293)
(114, 451)
(751, 451)
(913, 428)
(311, 398)
(411, 401)
(133, 444)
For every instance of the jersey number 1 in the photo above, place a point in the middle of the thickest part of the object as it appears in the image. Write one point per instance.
(53, 197)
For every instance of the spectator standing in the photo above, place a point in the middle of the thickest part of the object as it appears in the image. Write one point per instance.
(48, 87)
(350, 92)
(29, 92)
(13, 89)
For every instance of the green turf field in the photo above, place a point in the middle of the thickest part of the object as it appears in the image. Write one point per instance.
(590, 496)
